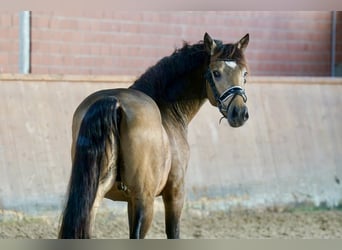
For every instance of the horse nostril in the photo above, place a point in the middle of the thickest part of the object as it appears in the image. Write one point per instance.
(235, 113)
(245, 118)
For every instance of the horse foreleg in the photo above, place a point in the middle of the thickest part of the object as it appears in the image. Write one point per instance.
(140, 214)
(173, 202)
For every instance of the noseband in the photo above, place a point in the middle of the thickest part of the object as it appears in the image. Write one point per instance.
(228, 93)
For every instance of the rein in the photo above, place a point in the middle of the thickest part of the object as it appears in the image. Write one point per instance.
(228, 93)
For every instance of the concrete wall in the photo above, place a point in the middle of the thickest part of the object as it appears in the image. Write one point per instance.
(296, 43)
(289, 151)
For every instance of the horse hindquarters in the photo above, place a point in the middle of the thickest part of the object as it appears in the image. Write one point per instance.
(93, 168)
(146, 156)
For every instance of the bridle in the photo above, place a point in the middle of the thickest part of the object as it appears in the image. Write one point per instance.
(228, 93)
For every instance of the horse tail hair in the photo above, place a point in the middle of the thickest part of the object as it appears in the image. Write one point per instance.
(99, 127)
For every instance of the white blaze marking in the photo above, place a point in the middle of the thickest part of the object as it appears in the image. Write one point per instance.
(231, 64)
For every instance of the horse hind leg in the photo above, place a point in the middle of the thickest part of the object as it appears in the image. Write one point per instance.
(140, 214)
(107, 180)
(102, 190)
(80, 211)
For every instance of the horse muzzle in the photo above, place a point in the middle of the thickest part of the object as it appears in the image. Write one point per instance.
(232, 105)
(237, 115)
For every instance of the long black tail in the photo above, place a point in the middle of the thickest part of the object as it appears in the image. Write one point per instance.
(98, 126)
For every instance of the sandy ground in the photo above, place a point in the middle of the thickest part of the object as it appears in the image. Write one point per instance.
(196, 223)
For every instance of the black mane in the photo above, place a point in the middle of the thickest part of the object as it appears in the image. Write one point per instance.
(166, 80)
(177, 82)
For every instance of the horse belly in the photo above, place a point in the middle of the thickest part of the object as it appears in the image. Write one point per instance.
(118, 192)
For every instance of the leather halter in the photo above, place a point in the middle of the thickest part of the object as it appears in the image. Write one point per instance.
(228, 93)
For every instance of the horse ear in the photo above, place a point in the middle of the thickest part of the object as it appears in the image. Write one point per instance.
(209, 44)
(242, 44)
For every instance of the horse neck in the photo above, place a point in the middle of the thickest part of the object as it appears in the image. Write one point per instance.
(186, 105)
(177, 84)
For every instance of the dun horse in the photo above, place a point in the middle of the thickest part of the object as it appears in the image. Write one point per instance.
(131, 144)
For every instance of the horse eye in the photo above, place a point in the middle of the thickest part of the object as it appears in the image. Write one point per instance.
(216, 74)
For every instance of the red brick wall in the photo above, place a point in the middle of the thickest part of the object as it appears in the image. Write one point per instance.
(9, 33)
(282, 43)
